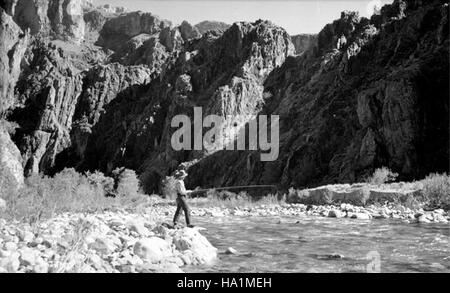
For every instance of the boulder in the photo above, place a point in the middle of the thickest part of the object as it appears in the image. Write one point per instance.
(199, 248)
(336, 214)
(153, 249)
(139, 228)
(361, 216)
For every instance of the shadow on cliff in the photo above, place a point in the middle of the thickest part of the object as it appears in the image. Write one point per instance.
(117, 139)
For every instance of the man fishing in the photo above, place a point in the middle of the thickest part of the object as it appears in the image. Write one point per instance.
(182, 193)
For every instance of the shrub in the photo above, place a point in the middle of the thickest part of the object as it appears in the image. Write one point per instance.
(382, 175)
(168, 187)
(67, 191)
(436, 190)
(126, 182)
(99, 180)
(297, 195)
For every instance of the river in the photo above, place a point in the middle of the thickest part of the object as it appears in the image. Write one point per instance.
(315, 244)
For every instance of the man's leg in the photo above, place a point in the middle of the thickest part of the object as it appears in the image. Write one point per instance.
(187, 212)
(177, 212)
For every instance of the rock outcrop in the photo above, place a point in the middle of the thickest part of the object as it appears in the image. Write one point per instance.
(121, 29)
(208, 25)
(303, 42)
(11, 171)
(12, 48)
(59, 18)
(49, 93)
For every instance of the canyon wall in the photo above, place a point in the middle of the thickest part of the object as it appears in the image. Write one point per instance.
(96, 88)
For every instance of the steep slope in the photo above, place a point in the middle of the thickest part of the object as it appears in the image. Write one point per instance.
(361, 94)
(371, 93)
(223, 74)
(12, 48)
(65, 86)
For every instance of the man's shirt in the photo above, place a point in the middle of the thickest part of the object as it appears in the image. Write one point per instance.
(180, 188)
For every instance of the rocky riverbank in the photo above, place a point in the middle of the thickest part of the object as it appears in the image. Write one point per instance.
(138, 240)
(395, 212)
(107, 242)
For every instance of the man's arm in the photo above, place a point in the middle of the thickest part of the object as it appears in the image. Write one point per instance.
(182, 188)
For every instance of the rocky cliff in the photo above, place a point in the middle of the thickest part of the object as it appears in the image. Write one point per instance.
(372, 92)
(303, 42)
(97, 88)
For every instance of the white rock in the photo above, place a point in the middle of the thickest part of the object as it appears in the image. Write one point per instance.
(2, 204)
(27, 256)
(10, 263)
(192, 240)
(336, 214)
(103, 246)
(10, 246)
(139, 228)
(41, 266)
(152, 249)
(361, 216)
(26, 236)
(423, 219)
(231, 250)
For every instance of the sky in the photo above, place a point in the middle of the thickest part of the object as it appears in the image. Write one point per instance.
(295, 16)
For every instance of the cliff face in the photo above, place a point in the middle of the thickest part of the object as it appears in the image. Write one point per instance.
(65, 88)
(12, 48)
(371, 93)
(223, 74)
(60, 18)
(304, 42)
(97, 89)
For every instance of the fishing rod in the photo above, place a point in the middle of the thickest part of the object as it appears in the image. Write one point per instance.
(233, 187)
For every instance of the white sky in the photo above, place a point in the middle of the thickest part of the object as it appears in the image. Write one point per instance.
(295, 16)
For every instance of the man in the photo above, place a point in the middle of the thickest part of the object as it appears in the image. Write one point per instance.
(181, 198)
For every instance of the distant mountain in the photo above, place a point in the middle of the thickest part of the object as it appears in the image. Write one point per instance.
(206, 25)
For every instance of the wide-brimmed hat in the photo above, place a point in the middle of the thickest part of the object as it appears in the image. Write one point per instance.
(180, 174)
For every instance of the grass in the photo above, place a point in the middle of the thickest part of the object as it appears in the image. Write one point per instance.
(436, 191)
(381, 176)
(68, 191)
(43, 197)
(230, 200)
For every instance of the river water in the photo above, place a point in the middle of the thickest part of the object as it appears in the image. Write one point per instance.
(315, 244)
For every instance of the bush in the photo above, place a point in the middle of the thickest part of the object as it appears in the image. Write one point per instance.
(168, 187)
(382, 175)
(99, 180)
(126, 182)
(67, 191)
(436, 191)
